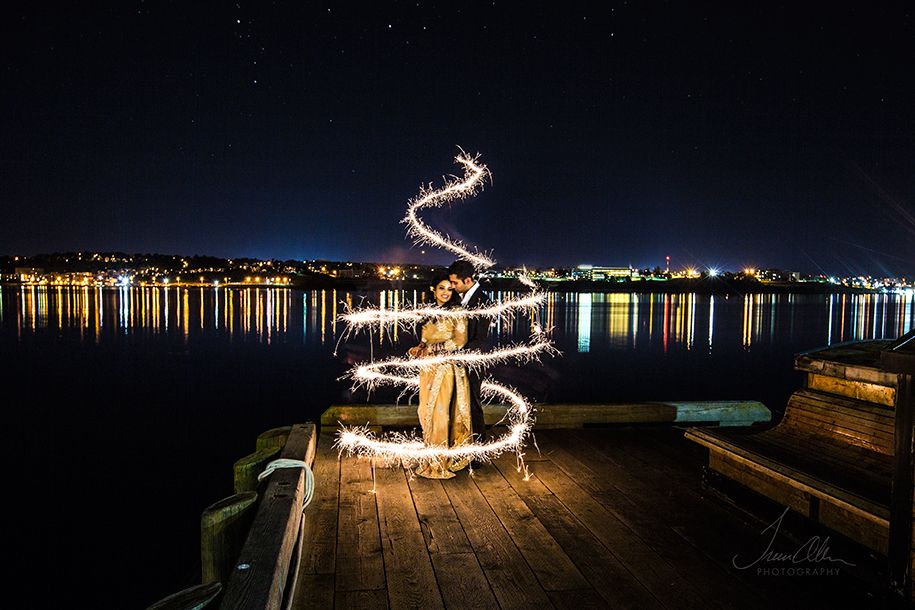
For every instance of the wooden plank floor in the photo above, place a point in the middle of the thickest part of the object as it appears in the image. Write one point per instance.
(610, 518)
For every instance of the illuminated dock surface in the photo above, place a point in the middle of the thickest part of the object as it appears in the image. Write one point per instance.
(611, 517)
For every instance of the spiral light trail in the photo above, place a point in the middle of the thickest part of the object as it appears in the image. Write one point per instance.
(407, 449)
(454, 189)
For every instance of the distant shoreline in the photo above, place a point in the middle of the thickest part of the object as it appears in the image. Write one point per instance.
(712, 286)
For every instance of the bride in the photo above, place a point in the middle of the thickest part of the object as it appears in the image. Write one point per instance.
(444, 391)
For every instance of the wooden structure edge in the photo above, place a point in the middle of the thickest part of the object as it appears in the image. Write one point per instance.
(260, 576)
(726, 413)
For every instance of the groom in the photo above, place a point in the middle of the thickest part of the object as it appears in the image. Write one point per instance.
(462, 275)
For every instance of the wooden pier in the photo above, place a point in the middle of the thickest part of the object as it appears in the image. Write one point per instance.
(609, 518)
(612, 515)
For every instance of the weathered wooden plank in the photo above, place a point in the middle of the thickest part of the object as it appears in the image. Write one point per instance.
(313, 591)
(800, 480)
(315, 579)
(814, 398)
(550, 564)
(737, 412)
(275, 437)
(864, 531)
(621, 471)
(696, 536)
(712, 530)
(656, 574)
(193, 598)
(408, 569)
(359, 564)
(861, 390)
(361, 600)
(874, 435)
(901, 505)
(440, 526)
(511, 579)
(652, 523)
(247, 469)
(259, 579)
(826, 363)
(508, 466)
(604, 570)
(840, 415)
(606, 575)
(845, 459)
(223, 529)
(462, 582)
(783, 493)
(577, 599)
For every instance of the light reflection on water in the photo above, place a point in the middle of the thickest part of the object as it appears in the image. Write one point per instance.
(582, 322)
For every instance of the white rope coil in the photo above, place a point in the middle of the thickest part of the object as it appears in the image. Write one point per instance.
(290, 463)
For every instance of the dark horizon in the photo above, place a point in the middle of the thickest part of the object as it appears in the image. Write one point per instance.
(722, 136)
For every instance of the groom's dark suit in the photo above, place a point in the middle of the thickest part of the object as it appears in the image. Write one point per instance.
(477, 339)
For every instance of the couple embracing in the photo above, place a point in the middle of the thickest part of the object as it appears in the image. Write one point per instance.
(450, 410)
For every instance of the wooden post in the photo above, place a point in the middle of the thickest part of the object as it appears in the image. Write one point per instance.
(901, 516)
(899, 358)
(275, 437)
(258, 579)
(249, 467)
(193, 598)
(223, 527)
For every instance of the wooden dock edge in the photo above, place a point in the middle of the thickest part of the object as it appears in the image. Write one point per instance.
(260, 576)
(725, 413)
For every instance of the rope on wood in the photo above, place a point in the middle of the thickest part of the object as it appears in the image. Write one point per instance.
(288, 463)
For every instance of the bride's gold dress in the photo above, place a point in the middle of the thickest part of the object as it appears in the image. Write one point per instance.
(444, 397)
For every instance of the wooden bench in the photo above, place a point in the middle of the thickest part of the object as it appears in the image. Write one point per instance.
(830, 459)
(843, 454)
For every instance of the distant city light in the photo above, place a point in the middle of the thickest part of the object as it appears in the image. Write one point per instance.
(712, 272)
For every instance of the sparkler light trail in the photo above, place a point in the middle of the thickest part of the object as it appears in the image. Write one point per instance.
(373, 374)
(407, 449)
(407, 316)
(455, 189)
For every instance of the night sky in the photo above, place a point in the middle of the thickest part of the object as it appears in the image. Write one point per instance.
(727, 135)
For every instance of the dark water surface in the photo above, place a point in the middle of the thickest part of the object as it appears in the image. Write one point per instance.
(125, 408)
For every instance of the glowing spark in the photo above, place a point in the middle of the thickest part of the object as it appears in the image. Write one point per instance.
(372, 316)
(453, 190)
(473, 360)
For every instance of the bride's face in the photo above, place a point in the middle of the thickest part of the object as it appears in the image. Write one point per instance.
(442, 292)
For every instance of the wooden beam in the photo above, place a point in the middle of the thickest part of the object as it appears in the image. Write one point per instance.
(247, 469)
(194, 598)
(223, 529)
(275, 437)
(900, 543)
(854, 504)
(259, 578)
(726, 413)
(870, 392)
(854, 362)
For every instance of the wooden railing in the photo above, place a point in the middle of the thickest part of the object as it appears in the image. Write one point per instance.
(260, 578)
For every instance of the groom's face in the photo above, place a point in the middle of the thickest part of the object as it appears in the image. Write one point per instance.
(461, 285)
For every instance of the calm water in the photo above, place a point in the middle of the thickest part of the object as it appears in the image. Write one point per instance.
(126, 408)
